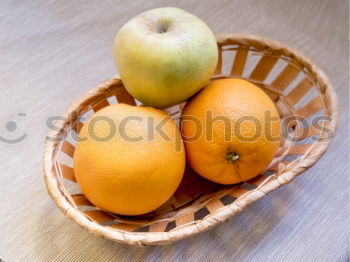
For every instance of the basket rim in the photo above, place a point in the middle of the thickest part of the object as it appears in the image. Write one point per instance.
(284, 175)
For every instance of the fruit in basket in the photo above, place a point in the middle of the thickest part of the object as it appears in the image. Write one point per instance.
(125, 166)
(231, 131)
(164, 56)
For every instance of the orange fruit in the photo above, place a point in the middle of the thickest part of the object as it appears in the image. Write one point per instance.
(124, 165)
(227, 131)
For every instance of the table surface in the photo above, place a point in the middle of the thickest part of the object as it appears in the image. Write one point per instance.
(51, 52)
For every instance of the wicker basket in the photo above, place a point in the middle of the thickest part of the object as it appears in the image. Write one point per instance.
(297, 86)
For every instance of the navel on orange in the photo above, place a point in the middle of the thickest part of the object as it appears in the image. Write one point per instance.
(125, 166)
(231, 131)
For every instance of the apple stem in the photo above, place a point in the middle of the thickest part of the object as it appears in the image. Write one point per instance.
(163, 25)
(232, 157)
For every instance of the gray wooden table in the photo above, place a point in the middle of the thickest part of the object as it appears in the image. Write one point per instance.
(53, 51)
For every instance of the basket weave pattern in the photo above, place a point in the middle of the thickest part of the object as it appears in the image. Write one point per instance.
(296, 85)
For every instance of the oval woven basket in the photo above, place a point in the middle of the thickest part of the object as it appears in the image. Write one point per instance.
(299, 89)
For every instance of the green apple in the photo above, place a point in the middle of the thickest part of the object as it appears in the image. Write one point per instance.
(164, 56)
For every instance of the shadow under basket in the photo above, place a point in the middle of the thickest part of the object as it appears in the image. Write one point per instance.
(305, 100)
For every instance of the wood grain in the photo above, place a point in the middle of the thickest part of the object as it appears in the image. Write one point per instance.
(53, 50)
